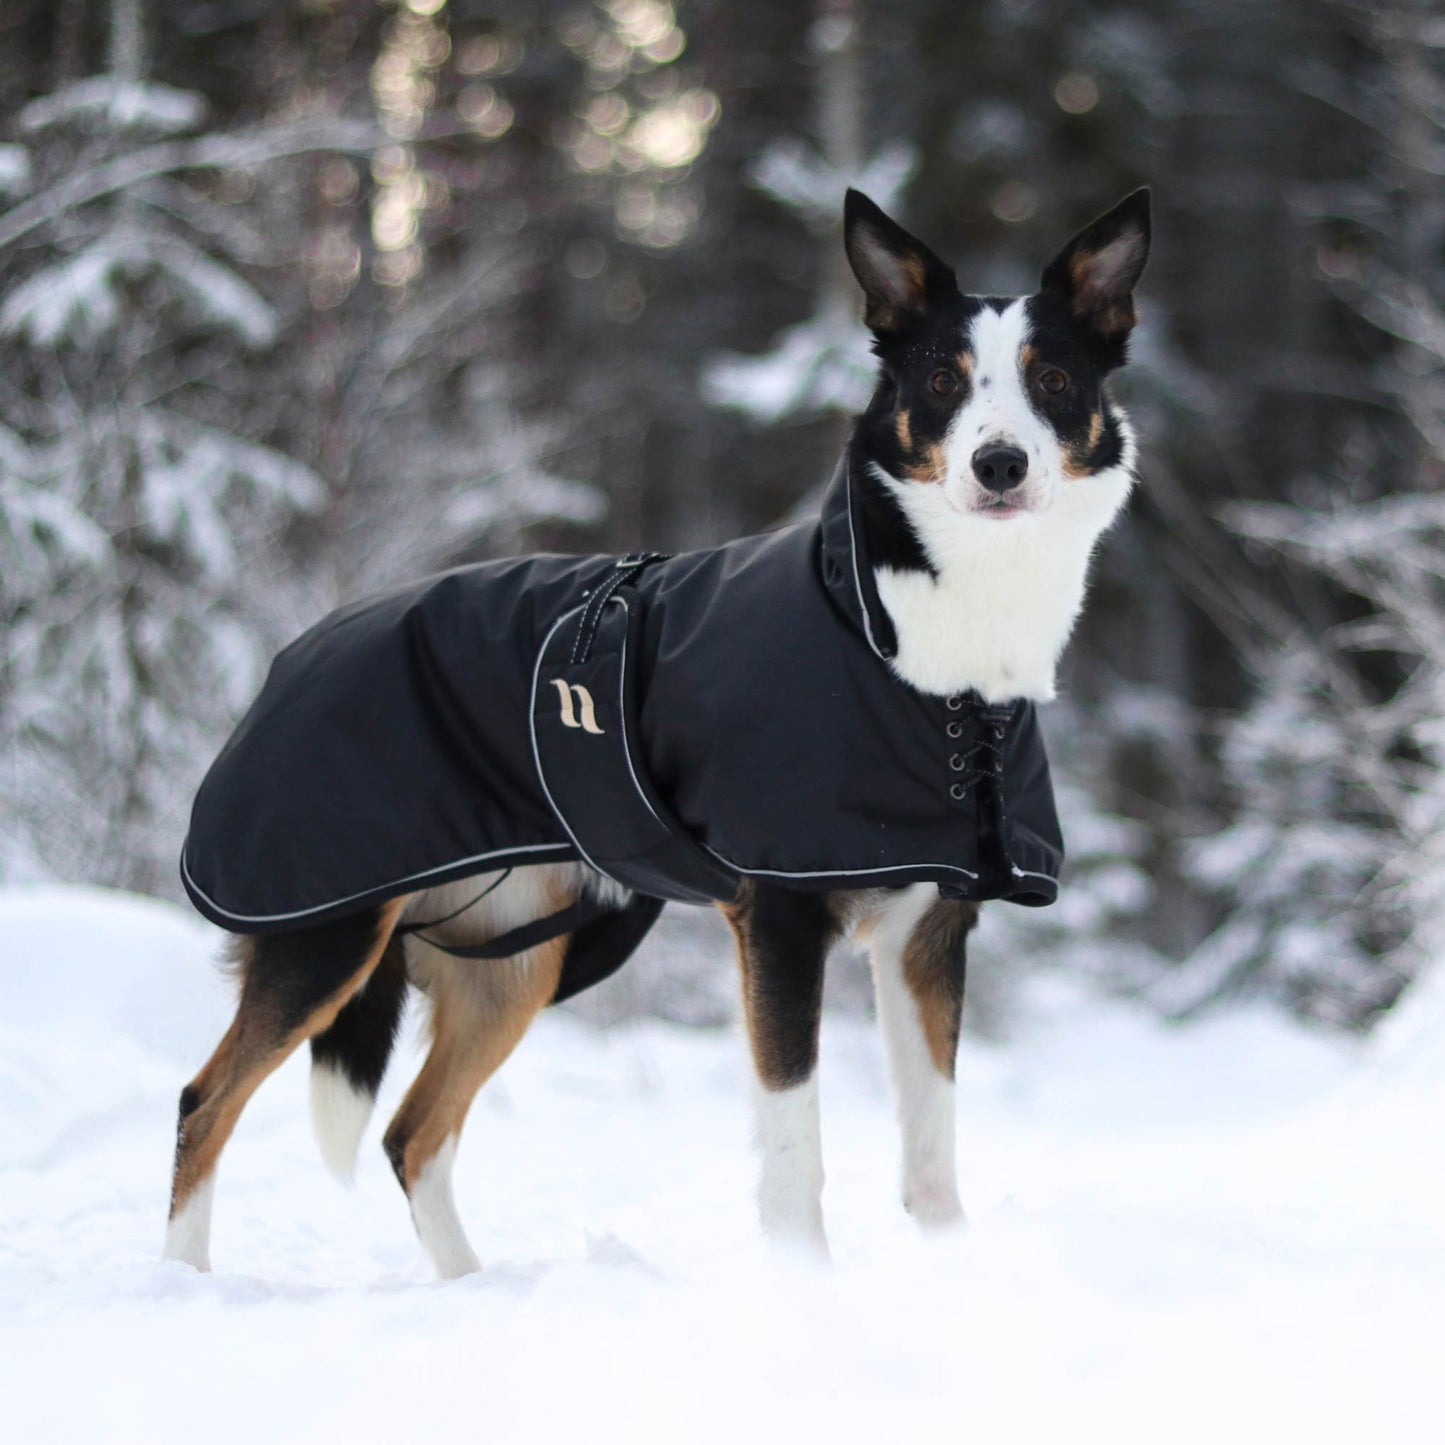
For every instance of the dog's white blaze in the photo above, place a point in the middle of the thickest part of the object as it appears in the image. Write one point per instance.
(998, 409)
(188, 1235)
(339, 1114)
(1008, 590)
(924, 1098)
(434, 1211)
(790, 1189)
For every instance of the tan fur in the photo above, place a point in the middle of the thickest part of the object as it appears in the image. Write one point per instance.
(770, 1070)
(903, 426)
(479, 1017)
(882, 316)
(1119, 315)
(479, 1014)
(932, 974)
(253, 1048)
(931, 465)
(858, 911)
(917, 276)
(774, 1069)
(1076, 458)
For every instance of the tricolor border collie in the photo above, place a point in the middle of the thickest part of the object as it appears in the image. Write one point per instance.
(499, 843)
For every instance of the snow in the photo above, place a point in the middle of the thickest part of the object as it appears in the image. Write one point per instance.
(1233, 1230)
(793, 172)
(14, 169)
(77, 299)
(820, 364)
(111, 103)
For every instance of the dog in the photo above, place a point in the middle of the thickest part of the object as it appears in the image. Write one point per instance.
(974, 488)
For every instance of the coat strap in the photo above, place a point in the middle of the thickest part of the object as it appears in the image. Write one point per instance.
(527, 935)
(627, 570)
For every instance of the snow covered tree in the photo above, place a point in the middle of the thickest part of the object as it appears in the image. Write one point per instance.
(1331, 871)
(822, 364)
(140, 521)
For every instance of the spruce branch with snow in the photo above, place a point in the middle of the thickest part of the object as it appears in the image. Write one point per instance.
(140, 527)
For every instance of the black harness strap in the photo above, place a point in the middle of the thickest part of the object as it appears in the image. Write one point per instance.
(424, 923)
(628, 570)
(527, 935)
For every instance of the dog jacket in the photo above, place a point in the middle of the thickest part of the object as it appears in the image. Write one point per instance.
(678, 723)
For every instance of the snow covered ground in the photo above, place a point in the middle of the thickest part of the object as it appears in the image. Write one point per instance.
(1233, 1231)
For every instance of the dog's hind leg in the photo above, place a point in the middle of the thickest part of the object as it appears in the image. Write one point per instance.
(783, 939)
(293, 985)
(480, 1010)
(918, 970)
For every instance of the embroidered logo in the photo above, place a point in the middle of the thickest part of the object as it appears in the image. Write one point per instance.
(566, 692)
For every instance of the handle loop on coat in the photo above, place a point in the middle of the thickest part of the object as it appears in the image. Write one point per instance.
(627, 570)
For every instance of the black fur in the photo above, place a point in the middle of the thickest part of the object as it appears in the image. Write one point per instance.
(360, 1041)
(298, 972)
(921, 322)
(784, 941)
(1096, 273)
(892, 541)
(1087, 359)
(395, 1150)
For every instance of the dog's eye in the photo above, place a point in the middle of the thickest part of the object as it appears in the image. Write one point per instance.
(943, 381)
(1053, 381)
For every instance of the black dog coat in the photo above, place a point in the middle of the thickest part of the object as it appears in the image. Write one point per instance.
(678, 723)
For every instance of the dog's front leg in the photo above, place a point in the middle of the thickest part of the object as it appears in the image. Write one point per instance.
(918, 969)
(783, 940)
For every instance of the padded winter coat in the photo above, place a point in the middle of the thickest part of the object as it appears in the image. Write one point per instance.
(679, 723)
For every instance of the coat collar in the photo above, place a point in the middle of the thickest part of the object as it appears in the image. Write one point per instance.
(847, 567)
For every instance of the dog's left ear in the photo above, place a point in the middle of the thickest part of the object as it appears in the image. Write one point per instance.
(1097, 271)
(899, 275)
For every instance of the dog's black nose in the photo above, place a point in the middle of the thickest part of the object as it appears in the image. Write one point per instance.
(1000, 468)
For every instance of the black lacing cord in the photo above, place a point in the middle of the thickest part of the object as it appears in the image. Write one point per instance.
(994, 722)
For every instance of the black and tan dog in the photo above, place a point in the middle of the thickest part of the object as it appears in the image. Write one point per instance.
(827, 729)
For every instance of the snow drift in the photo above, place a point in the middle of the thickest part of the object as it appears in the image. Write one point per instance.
(1232, 1230)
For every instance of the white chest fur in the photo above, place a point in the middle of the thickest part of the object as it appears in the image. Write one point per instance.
(996, 616)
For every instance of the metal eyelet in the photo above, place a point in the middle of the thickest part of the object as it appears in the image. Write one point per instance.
(957, 792)
(954, 729)
(956, 762)
(954, 703)
(999, 730)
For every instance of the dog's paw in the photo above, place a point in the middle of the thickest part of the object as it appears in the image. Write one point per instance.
(935, 1209)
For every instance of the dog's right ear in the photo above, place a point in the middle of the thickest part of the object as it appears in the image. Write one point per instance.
(899, 275)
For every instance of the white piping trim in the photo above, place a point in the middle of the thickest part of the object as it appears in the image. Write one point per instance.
(857, 579)
(1032, 873)
(627, 752)
(839, 872)
(536, 752)
(622, 718)
(211, 903)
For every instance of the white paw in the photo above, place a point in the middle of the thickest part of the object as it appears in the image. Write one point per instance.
(934, 1207)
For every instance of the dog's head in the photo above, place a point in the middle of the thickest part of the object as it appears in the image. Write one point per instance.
(996, 405)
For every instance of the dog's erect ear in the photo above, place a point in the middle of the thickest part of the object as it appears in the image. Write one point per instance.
(899, 275)
(1097, 271)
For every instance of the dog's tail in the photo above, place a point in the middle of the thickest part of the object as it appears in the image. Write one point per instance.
(349, 1059)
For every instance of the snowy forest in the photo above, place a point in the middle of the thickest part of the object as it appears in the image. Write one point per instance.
(300, 299)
